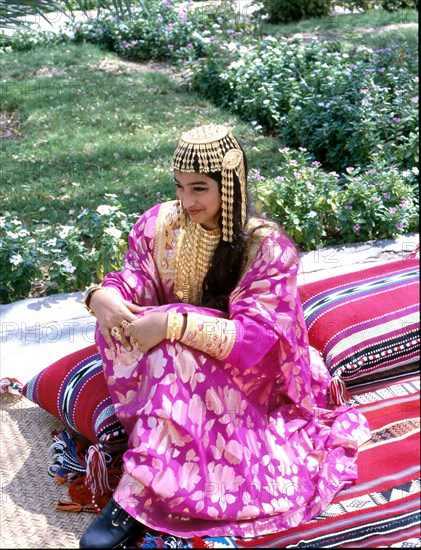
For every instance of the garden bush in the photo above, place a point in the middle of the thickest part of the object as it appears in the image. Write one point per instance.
(165, 32)
(319, 208)
(342, 106)
(285, 11)
(65, 258)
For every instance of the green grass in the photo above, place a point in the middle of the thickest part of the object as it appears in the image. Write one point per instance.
(369, 28)
(86, 131)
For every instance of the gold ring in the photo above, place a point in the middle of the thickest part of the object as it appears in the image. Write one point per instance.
(135, 343)
(124, 323)
(115, 331)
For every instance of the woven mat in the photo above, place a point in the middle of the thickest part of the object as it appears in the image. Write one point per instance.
(28, 518)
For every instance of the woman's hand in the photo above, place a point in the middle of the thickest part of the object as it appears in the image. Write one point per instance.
(111, 310)
(147, 331)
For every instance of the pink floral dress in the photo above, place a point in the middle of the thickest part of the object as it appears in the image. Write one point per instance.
(231, 430)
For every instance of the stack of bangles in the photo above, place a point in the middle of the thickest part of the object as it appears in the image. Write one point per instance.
(90, 292)
(175, 326)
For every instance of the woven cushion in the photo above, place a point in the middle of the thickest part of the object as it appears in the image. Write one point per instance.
(73, 389)
(367, 321)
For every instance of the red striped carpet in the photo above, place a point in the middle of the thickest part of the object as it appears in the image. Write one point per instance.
(383, 508)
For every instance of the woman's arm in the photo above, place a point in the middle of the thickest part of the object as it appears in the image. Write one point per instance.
(262, 310)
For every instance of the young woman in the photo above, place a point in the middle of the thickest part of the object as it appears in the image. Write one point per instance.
(207, 360)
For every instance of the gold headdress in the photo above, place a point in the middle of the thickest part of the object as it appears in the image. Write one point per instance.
(213, 148)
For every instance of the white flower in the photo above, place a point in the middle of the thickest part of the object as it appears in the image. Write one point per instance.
(16, 222)
(236, 64)
(16, 259)
(113, 232)
(104, 209)
(2, 221)
(51, 242)
(67, 265)
(12, 235)
(65, 231)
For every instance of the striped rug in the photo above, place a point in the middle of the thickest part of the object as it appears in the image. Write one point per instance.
(382, 509)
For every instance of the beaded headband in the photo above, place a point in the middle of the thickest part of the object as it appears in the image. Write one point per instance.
(213, 148)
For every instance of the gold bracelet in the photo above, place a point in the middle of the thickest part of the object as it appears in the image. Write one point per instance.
(90, 292)
(174, 326)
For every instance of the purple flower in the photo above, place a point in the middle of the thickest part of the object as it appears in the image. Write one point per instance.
(190, 45)
(403, 204)
(171, 46)
(371, 171)
(396, 119)
(230, 31)
(357, 227)
(414, 99)
(170, 26)
(350, 169)
(303, 149)
(392, 210)
(279, 178)
(376, 199)
(386, 195)
(293, 163)
(399, 226)
(316, 163)
(134, 42)
(381, 70)
(257, 175)
(348, 207)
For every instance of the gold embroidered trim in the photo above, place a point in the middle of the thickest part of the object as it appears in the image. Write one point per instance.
(166, 230)
(213, 336)
(195, 249)
(255, 242)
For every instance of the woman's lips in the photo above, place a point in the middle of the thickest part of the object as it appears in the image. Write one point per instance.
(193, 212)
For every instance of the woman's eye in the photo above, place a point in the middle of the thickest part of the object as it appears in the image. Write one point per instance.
(199, 189)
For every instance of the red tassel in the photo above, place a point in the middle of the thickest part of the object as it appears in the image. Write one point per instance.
(415, 254)
(338, 391)
(96, 470)
(10, 385)
(200, 543)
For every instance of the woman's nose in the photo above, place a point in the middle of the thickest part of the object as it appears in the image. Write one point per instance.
(188, 200)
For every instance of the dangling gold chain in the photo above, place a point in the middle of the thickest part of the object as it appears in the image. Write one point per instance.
(195, 249)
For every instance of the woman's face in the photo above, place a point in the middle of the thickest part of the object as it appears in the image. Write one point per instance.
(199, 195)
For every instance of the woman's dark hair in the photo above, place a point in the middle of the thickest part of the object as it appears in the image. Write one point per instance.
(224, 273)
(229, 257)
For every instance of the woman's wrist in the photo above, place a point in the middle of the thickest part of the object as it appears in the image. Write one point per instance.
(91, 291)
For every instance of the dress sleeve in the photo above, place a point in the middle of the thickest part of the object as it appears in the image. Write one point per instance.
(262, 310)
(139, 280)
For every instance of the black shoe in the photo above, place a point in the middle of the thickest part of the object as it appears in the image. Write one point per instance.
(111, 529)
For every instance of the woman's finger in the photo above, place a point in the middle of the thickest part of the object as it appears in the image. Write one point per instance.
(107, 336)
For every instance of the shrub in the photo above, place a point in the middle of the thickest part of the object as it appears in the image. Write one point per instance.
(65, 258)
(378, 203)
(166, 31)
(285, 11)
(342, 106)
(319, 208)
(395, 5)
(303, 199)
